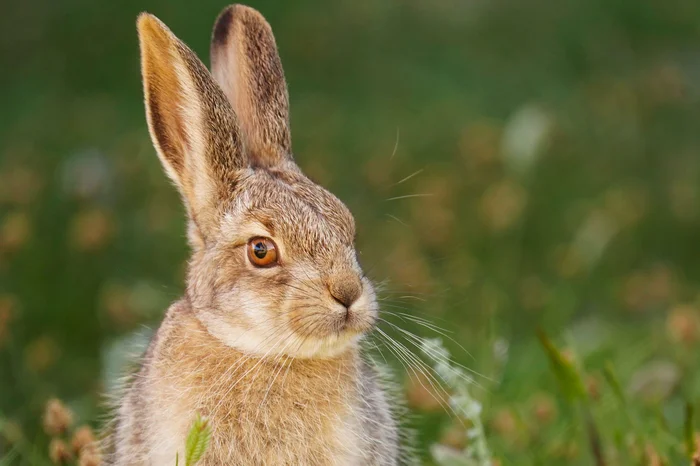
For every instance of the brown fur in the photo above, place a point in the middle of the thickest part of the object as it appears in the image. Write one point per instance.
(269, 355)
(245, 63)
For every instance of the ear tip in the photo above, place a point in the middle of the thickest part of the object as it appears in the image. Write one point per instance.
(149, 25)
(238, 9)
(232, 14)
(246, 13)
(144, 19)
(222, 25)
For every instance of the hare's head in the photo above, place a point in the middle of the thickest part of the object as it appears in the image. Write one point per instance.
(273, 268)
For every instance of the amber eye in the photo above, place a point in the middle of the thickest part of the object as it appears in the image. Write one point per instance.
(262, 252)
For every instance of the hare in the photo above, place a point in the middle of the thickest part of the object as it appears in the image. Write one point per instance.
(265, 343)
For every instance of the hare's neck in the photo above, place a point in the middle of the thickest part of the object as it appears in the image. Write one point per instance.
(217, 374)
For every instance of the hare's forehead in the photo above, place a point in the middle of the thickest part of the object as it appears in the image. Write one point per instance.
(302, 214)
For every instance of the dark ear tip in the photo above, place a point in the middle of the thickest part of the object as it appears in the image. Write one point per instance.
(236, 12)
(223, 25)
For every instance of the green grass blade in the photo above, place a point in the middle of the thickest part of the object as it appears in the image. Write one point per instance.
(689, 429)
(565, 371)
(197, 441)
(611, 378)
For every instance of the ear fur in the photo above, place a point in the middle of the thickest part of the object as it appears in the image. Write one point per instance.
(247, 66)
(192, 125)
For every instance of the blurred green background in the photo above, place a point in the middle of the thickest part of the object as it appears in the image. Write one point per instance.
(555, 154)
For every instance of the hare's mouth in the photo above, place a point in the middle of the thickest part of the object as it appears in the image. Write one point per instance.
(329, 332)
(359, 322)
(334, 322)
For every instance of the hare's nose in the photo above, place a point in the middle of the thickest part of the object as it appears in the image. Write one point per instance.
(345, 288)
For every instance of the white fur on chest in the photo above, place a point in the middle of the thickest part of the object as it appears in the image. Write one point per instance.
(260, 438)
(167, 434)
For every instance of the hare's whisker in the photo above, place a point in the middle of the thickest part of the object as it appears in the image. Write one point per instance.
(408, 196)
(409, 176)
(398, 220)
(396, 144)
(409, 362)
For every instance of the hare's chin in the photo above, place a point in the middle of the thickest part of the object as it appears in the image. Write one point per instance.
(291, 344)
(327, 347)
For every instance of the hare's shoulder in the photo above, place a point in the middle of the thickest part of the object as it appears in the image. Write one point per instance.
(130, 433)
(379, 412)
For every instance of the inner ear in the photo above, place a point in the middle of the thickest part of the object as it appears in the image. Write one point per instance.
(192, 124)
(246, 65)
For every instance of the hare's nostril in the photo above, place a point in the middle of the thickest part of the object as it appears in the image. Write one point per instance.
(345, 289)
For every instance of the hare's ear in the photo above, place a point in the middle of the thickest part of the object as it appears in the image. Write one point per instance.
(191, 122)
(245, 63)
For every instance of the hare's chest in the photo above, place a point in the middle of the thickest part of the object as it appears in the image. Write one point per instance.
(281, 432)
(281, 423)
(290, 440)
(293, 441)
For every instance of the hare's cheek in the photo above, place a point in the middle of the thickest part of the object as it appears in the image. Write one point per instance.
(244, 308)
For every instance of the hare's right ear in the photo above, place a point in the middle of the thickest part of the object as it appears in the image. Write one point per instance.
(247, 66)
(191, 122)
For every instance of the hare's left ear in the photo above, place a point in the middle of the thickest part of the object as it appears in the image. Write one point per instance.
(191, 122)
(246, 65)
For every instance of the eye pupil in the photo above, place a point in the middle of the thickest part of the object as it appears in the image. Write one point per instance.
(260, 250)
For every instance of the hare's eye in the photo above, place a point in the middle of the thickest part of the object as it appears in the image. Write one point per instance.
(262, 252)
